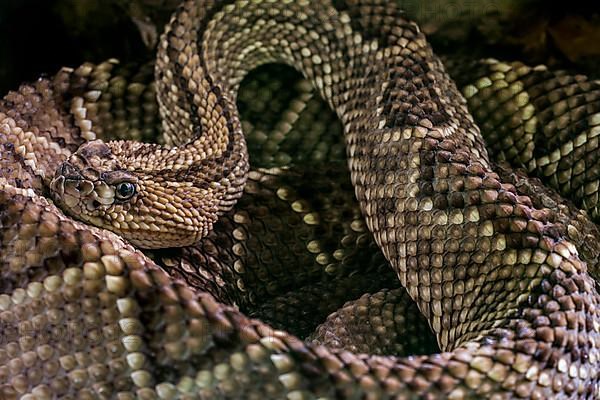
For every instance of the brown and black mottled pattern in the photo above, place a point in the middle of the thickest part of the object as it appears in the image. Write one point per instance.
(546, 122)
(499, 266)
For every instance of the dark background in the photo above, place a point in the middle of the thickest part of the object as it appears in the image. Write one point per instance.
(40, 36)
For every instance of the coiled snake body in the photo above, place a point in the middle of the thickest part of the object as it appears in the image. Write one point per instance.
(502, 280)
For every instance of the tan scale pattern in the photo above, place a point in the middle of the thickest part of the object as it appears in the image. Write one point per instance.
(492, 270)
(546, 122)
(399, 329)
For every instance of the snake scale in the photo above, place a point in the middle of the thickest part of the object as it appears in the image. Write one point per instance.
(496, 265)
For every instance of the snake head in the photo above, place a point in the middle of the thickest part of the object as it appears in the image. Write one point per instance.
(151, 207)
(90, 185)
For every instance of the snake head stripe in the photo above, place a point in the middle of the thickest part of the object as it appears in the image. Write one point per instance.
(150, 209)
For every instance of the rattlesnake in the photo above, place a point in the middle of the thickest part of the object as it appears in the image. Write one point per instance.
(500, 278)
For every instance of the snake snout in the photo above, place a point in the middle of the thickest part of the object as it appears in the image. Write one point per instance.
(71, 185)
(64, 173)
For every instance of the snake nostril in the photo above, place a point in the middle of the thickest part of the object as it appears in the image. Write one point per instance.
(68, 171)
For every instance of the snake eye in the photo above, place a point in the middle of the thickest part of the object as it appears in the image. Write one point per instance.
(125, 190)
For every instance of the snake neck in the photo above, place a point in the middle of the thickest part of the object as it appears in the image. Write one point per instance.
(391, 93)
(399, 108)
(371, 75)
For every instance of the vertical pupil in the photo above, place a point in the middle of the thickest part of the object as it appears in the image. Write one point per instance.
(124, 189)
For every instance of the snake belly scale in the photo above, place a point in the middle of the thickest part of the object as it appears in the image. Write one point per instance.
(506, 293)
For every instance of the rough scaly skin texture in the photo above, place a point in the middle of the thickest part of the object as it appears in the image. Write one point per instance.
(497, 275)
(546, 122)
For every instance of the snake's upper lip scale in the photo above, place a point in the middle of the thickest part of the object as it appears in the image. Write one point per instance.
(57, 186)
